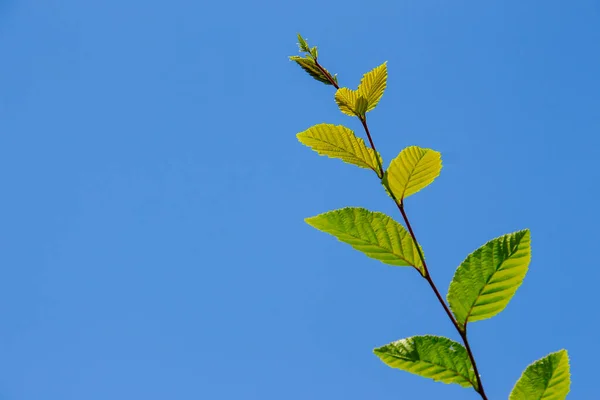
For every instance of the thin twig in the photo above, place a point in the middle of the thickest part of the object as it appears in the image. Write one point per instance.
(327, 74)
(461, 331)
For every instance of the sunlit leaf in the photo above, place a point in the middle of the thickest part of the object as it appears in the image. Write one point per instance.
(373, 85)
(412, 170)
(373, 233)
(435, 357)
(346, 100)
(488, 278)
(337, 141)
(546, 379)
(309, 65)
(302, 45)
(361, 105)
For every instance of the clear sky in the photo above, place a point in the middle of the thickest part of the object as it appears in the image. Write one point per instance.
(152, 242)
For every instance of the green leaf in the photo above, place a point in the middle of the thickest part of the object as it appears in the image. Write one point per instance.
(302, 45)
(365, 98)
(489, 277)
(435, 357)
(373, 85)
(346, 100)
(309, 65)
(373, 233)
(546, 379)
(361, 106)
(340, 142)
(412, 170)
(314, 52)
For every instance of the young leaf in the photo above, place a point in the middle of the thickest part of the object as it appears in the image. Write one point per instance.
(372, 85)
(365, 98)
(361, 106)
(546, 379)
(435, 357)
(302, 45)
(309, 65)
(340, 142)
(488, 278)
(373, 233)
(346, 100)
(412, 170)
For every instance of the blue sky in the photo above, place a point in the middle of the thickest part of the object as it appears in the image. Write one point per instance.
(152, 242)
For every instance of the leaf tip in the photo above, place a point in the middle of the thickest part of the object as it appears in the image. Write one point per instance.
(563, 352)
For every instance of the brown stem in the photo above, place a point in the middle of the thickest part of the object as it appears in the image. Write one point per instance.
(479, 389)
(462, 331)
(327, 74)
(363, 120)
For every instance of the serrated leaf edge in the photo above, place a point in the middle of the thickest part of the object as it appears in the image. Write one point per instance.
(466, 378)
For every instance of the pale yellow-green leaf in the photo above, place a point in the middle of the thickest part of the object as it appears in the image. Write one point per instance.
(310, 66)
(434, 357)
(488, 278)
(346, 100)
(337, 141)
(361, 105)
(373, 233)
(412, 170)
(302, 44)
(373, 85)
(546, 379)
